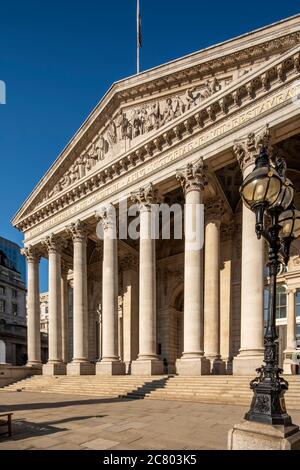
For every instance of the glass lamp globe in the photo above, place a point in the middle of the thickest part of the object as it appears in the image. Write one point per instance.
(262, 186)
(290, 223)
(286, 195)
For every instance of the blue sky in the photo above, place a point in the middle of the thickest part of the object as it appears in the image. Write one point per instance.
(59, 57)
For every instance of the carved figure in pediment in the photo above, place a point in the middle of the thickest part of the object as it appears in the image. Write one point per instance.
(102, 148)
(192, 97)
(211, 87)
(154, 115)
(178, 106)
(124, 129)
(169, 113)
(112, 133)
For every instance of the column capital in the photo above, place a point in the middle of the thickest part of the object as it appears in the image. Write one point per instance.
(53, 243)
(78, 231)
(291, 290)
(247, 149)
(32, 254)
(214, 210)
(107, 217)
(145, 196)
(193, 177)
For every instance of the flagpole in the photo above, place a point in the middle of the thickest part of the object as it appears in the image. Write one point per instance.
(138, 24)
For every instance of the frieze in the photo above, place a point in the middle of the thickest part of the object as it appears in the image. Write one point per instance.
(128, 125)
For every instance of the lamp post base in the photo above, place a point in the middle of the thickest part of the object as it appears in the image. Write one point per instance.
(250, 435)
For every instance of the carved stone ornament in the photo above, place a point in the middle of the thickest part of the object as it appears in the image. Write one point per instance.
(78, 231)
(107, 216)
(247, 150)
(193, 177)
(127, 126)
(31, 253)
(53, 243)
(145, 196)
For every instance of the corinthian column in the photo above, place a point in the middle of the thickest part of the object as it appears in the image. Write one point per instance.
(64, 311)
(33, 308)
(213, 216)
(250, 355)
(290, 331)
(193, 180)
(80, 364)
(147, 362)
(55, 364)
(110, 363)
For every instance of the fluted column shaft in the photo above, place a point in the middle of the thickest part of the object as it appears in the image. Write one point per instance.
(212, 290)
(291, 321)
(110, 363)
(55, 352)
(147, 362)
(250, 355)
(80, 326)
(64, 315)
(147, 299)
(252, 289)
(110, 295)
(193, 281)
(33, 309)
(193, 179)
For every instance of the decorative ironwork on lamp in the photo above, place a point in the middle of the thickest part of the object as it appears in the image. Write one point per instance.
(269, 194)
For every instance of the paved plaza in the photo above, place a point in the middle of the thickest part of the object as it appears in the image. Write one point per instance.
(52, 422)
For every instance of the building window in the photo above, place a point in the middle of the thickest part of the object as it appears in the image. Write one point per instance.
(14, 293)
(14, 309)
(297, 302)
(281, 302)
(298, 335)
(2, 306)
(2, 290)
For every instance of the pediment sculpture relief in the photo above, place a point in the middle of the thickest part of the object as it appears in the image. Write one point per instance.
(131, 124)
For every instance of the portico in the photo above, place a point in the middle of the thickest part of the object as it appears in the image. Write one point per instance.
(142, 303)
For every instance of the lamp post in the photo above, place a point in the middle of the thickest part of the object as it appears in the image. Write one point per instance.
(270, 194)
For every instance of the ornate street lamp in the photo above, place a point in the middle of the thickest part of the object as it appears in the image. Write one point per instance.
(269, 194)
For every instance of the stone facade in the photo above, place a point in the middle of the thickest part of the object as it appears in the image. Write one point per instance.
(184, 134)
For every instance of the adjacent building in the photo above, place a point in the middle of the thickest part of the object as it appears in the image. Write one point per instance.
(13, 330)
(15, 258)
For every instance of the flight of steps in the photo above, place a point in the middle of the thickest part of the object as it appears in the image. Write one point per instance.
(233, 390)
(90, 385)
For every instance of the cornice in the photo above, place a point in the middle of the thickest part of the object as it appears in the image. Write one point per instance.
(272, 39)
(223, 104)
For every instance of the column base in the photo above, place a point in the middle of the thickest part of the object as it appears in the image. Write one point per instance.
(193, 366)
(55, 368)
(147, 367)
(244, 364)
(34, 365)
(287, 362)
(110, 368)
(249, 435)
(217, 366)
(80, 368)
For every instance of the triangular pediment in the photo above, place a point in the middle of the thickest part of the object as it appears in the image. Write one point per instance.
(137, 107)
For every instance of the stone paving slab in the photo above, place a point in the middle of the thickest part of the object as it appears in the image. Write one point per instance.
(67, 422)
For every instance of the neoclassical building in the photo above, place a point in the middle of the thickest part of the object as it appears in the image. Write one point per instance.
(186, 132)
